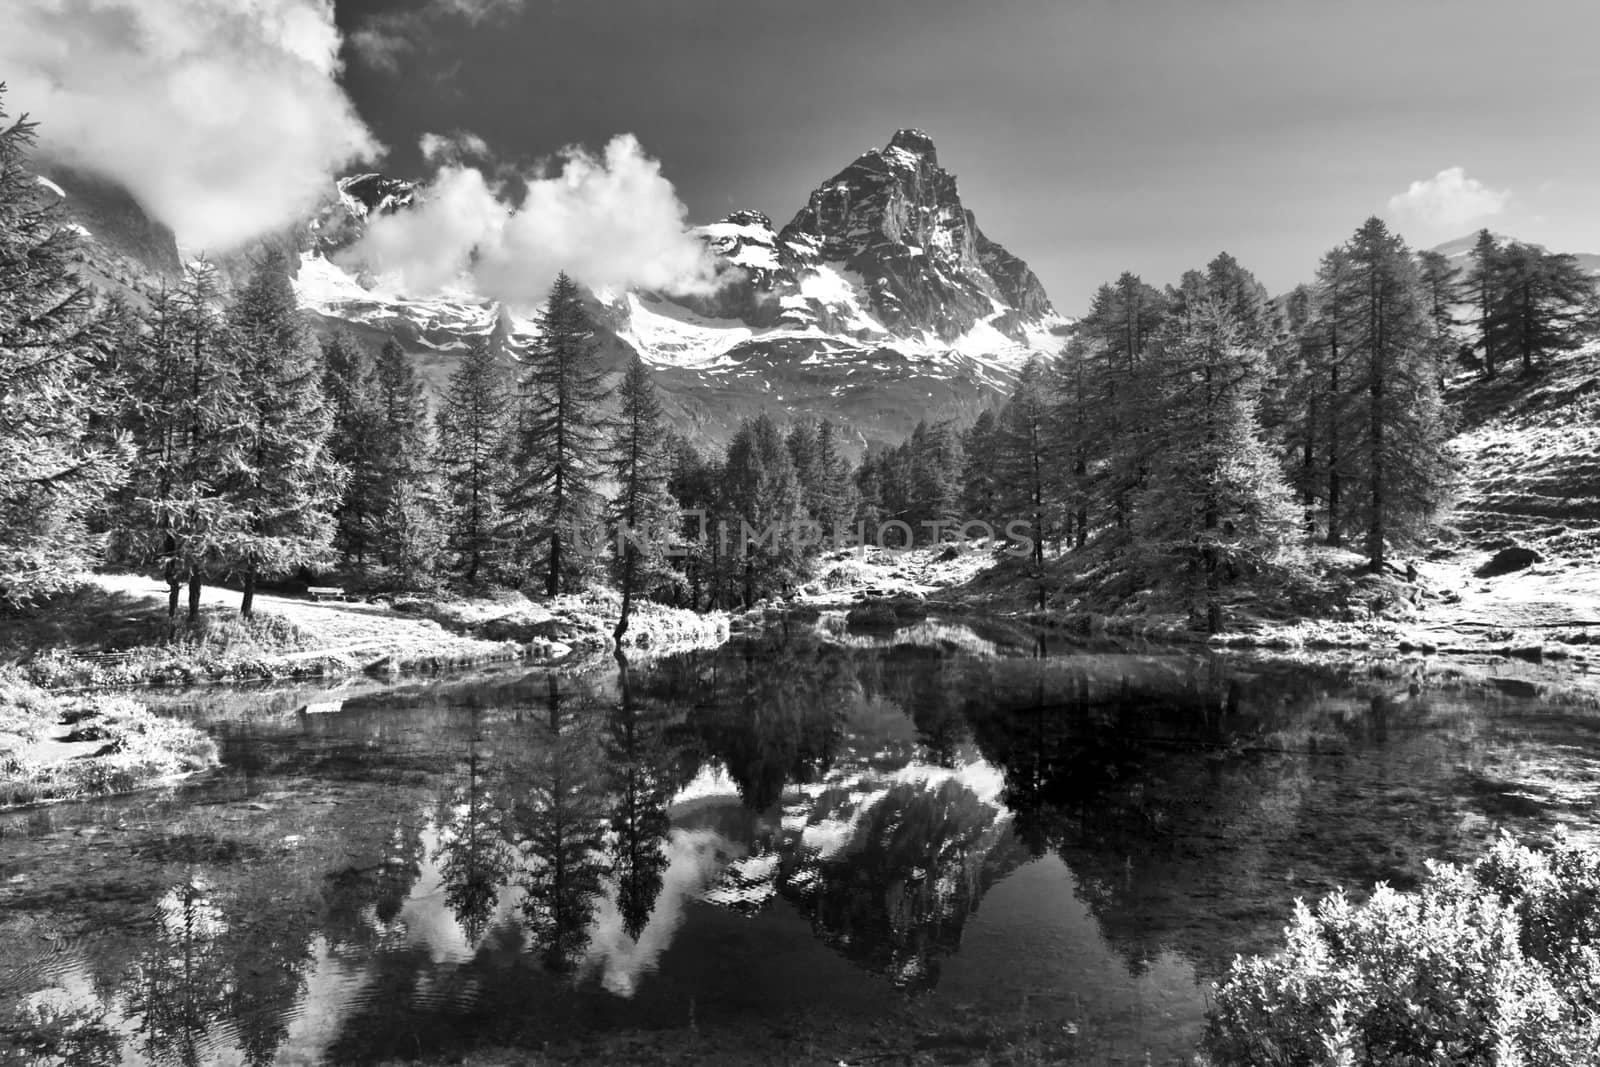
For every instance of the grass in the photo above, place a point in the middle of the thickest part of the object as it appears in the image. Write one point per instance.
(55, 748)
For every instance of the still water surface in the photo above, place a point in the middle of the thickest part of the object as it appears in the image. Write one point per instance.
(802, 835)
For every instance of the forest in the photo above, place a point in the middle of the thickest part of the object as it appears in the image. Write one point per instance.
(1191, 439)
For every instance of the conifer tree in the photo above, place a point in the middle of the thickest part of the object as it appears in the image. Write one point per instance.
(1543, 303)
(1022, 455)
(471, 436)
(407, 532)
(761, 497)
(1482, 286)
(1216, 505)
(183, 414)
(1070, 435)
(1398, 429)
(835, 504)
(695, 483)
(289, 484)
(1121, 324)
(347, 377)
(552, 501)
(643, 512)
(53, 470)
(980, 484)
(1330, 338)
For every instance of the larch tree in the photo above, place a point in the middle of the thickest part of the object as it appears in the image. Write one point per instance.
(1216, 506)
(1023, 460)
(289, 484)
(762, 501)
(552, 500)
(407, 529)
(347, 376)
(1329, 339)
(835, 503)
(53, 470)
(1543, 303)
(471, 434)
(643, 515)
(183, 414)
(980, 484)
(1481, 286)
(1398, 429)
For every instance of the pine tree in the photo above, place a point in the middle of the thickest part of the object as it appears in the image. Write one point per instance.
(761, 497)
(1216, 505)
(347, 377)
(1122, 322)
(290, 483)
(980, 484)
(183, 414)
(835, 505)
(643, 512)
(1330, 337)
(53, 469)
(407, 533)
(556, 454)
(1543, 303)
(471, 434)
(1022, 455)
(696, 484)
(1482, 286)
(1398, 430)
(1070, 435)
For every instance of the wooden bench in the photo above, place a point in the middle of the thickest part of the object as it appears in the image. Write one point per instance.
(327, 592)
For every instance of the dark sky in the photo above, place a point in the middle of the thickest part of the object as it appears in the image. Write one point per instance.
(1089, 136)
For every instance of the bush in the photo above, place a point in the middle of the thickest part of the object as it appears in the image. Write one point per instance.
(1495, 963)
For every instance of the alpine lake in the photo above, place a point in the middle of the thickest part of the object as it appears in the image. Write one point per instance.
(938, 844)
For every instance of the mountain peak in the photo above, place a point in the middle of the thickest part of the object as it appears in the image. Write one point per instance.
(917, 143)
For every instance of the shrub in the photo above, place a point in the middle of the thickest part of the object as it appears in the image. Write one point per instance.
(1495, 963)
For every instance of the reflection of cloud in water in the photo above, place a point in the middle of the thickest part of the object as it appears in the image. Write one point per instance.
(694, 859)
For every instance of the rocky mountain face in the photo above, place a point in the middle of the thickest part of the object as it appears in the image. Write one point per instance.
(880, 302)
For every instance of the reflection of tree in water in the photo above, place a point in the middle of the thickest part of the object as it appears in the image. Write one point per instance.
(269, 950)
(178, 986)
(46, 1033)
(773, 714)
(474, 861)
(641, 782)
(558, 816)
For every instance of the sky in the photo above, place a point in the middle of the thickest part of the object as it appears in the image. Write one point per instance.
(1088, 136)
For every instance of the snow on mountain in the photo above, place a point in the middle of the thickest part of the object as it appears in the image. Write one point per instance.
(880, 303)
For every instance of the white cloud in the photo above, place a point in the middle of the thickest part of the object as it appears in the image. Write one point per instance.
(382, 39)
(1447, 201)
(224, 118)
(609, 221)
(454, 147)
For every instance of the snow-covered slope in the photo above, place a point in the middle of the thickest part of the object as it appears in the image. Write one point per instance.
(879, 304)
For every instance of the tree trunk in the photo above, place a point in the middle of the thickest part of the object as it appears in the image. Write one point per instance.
(194, 595)
(627, 596)
(247, 606)
(552, 582)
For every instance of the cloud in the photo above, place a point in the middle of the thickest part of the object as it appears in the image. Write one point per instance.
(1447, 201)
(454, 147)
(382, 40)
(224, 118)
(610, 221)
